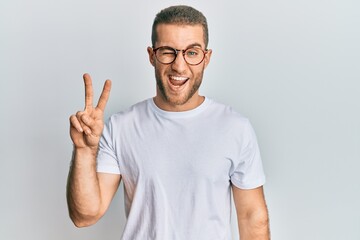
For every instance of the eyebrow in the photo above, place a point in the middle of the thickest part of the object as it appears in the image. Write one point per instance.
(194, 45)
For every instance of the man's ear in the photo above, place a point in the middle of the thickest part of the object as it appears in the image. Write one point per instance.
(151, 55)
(207, 57)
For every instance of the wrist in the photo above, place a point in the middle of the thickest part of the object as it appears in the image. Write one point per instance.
(86, 150)
(87, 154)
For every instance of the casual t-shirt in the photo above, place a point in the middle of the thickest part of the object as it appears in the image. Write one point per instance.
(178, 167)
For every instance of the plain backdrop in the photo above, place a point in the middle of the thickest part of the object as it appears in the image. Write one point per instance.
(291, 67)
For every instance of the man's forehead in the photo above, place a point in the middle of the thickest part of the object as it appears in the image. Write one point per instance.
(182, 34)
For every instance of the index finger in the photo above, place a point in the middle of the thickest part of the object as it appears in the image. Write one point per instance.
(88, 91)
(104, 95)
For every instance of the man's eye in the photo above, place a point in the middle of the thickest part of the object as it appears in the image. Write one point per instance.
(192, 53)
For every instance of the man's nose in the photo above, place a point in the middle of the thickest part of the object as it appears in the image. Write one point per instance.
(179, 65)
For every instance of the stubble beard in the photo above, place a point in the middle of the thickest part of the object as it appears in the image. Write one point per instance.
(178, 100)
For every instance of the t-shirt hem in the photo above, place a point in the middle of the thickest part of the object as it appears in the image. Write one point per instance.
(107, 170)
(248, 186)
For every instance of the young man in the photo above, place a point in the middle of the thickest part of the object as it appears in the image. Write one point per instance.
(179, 154)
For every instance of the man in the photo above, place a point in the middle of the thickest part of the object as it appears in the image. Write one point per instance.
(179, 154)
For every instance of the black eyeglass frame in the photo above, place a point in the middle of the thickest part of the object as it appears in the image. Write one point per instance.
(183, 53)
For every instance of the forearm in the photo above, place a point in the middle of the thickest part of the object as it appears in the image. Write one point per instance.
(83, 191)
(254, 226)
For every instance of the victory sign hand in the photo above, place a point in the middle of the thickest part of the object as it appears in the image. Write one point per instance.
(86, 126)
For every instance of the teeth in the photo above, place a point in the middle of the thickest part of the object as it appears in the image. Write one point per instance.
(178, 78)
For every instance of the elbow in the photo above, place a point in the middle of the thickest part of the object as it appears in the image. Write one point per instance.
(262, 221)
(259, 220)
(81, 223)
(255, 220)
(81, 220)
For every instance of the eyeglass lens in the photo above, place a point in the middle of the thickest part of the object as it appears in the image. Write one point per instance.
(168, 55)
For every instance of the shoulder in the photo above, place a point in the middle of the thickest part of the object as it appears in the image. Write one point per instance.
(134, 113)
(131, 111)
(236, 129)
(226, 113)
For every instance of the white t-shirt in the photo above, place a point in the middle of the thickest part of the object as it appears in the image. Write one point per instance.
(177, 168)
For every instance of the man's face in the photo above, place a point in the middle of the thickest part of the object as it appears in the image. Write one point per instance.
(178, 82)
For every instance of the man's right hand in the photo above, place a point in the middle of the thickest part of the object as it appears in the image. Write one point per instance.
(89, 193)
(86, 126)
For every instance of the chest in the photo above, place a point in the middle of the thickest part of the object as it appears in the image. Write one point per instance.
(175, 152)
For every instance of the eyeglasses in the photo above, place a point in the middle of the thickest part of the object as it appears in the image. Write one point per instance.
(167, 55)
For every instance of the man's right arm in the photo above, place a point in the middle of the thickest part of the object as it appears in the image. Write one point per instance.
(89, 193)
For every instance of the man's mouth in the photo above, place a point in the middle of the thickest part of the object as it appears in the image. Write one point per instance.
(177, 81)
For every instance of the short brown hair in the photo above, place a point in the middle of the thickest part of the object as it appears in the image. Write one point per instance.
(182, 15)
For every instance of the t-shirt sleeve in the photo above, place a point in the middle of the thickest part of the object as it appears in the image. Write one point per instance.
(248, 171)
(107, 161)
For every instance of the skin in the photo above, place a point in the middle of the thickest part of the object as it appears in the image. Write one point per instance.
(170, 97)
(252, 213)
(89, 193)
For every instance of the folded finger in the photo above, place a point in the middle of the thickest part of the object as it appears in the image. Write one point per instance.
(74, 122)
(85, 128)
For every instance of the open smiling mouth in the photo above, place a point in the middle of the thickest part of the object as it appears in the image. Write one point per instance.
(177, 81)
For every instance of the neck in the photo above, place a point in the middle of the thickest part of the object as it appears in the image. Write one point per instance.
(192, 103)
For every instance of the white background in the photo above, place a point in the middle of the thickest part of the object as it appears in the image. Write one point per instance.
(292, 67)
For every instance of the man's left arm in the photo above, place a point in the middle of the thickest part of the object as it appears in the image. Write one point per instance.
(252, 213)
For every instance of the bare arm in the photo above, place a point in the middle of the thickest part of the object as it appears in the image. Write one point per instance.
(89, 193)
(252, 214)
